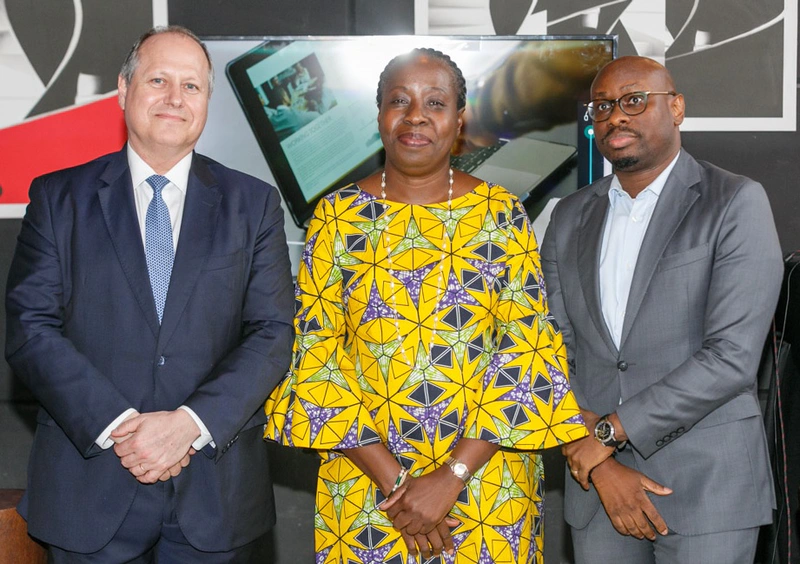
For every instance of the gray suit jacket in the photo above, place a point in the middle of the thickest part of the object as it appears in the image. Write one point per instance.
(703, 293)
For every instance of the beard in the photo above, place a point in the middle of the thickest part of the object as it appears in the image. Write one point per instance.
(624, 163)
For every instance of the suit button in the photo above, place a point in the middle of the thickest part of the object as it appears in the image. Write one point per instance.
(681, 429)
(622, 365)
(659, 443)
(161, 361)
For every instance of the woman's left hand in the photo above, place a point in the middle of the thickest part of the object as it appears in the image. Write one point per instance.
(420, 504)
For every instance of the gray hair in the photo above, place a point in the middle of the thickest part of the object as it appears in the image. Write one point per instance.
(132, 60)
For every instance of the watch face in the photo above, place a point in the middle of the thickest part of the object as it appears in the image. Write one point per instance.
(603, 431)
(460, 469)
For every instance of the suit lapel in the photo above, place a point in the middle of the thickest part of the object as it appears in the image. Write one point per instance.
(590, 240)
(119, 212)
(673, 204)
(194, 244)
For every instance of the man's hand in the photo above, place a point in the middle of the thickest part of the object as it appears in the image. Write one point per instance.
(622, 493)
(119, 439)
(175, 470)
(583, 456)
(159, 445)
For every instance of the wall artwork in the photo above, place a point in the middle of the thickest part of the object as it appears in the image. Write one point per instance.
(735, 61)
(59, 62)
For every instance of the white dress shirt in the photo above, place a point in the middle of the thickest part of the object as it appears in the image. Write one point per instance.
(174, 195)
(626, 224)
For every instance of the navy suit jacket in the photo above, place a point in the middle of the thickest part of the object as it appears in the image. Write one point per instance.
(83, 334)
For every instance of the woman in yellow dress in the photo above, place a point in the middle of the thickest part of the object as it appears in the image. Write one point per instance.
(427, 368)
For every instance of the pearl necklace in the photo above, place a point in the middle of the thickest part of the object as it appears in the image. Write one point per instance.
(387, 238)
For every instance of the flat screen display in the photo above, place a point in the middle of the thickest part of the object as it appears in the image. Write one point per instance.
(311, 102)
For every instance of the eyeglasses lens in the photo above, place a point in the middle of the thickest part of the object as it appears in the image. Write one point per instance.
(631, 104)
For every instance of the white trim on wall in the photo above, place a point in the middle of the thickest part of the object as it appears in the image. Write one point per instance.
(8, 211)
(160, 12)
(421, 17)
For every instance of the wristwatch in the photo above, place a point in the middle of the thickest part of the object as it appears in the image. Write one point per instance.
(459, 469)
(605, 433)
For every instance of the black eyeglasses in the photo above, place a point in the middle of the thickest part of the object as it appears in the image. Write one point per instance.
(632, 104)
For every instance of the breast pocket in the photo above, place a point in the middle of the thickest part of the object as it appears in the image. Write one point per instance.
(223, 276)
(683, 258)
(679, 288)
(223, 261)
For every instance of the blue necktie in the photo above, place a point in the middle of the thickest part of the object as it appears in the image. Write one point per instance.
(158, 243)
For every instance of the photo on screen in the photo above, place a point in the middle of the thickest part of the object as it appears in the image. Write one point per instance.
(296, 97)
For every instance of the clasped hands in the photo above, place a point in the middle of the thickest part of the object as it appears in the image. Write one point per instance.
(155, 446)
(420, 509)
(621, 489)
(585, 454)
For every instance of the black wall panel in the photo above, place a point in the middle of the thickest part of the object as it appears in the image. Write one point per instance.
(772, 158)
(293, 17)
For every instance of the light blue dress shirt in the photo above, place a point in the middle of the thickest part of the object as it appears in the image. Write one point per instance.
(625, 227)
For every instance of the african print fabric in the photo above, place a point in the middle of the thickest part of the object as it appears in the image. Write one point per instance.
(366, 367)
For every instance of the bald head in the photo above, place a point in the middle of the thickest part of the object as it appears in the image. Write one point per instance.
(637, 69)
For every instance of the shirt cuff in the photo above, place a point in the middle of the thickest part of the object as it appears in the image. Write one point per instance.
(105, 441)
(205, 436)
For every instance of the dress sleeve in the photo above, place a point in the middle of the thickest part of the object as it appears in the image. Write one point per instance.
(525, 401)
(319, 403)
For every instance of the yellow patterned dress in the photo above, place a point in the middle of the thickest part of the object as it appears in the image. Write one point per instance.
(366, 367)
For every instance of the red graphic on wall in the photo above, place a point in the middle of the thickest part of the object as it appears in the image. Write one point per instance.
(59, 63)
(57, 141)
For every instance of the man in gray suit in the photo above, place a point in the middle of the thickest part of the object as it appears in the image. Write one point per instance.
(663, 278)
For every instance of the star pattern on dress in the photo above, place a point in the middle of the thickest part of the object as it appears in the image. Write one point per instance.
(460, 291)
(377, 307)
(412, 280)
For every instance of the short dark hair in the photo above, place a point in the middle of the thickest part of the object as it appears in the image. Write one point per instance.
(132, 60)
(458, 76)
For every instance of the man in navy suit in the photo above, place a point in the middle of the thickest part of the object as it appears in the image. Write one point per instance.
(151, 345)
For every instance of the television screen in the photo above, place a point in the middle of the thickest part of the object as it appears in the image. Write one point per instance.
(311, 103)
